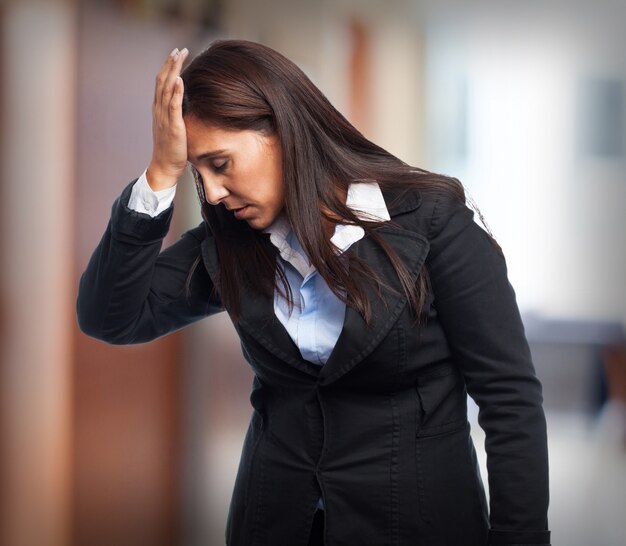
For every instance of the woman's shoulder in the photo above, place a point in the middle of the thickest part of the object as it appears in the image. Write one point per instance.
(426, 209)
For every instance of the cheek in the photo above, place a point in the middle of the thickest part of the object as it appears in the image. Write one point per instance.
(279, 195)
(269, 190)
(278, 186)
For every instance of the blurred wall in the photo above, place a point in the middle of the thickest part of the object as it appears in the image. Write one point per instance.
(526, 106)
(36, 228)
(128, 401)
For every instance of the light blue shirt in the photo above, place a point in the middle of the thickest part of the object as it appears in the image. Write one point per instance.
(317, 316)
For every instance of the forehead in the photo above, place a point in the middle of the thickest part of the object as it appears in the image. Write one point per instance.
(207, 138)
(200, 133)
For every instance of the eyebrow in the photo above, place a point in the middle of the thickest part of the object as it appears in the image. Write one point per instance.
(212, 153)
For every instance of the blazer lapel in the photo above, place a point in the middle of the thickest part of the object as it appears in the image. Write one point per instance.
(357, 340)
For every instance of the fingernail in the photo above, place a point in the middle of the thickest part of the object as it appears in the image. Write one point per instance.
(184, 51)
(174, 52)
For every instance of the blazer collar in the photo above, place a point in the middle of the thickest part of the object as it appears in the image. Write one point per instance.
(401, 201)
(258, 320)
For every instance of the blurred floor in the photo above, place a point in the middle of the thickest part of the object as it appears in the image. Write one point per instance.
(588, 479)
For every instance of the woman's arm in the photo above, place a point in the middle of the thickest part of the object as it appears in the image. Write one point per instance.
(131, 292)
(478, 311)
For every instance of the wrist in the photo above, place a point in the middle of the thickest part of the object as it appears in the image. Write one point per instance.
(158, 180)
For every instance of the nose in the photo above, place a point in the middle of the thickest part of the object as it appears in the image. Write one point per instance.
(214, 191)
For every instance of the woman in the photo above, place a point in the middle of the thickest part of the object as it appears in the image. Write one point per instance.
(368, 303)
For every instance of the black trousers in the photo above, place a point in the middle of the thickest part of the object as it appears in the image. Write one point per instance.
(317, 529)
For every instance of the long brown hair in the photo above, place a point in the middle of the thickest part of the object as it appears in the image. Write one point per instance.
(237, 84)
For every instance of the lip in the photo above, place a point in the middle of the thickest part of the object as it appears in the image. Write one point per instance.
(242, 212)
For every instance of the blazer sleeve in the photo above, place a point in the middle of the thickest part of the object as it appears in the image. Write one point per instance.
(131, 291)
(477, 308)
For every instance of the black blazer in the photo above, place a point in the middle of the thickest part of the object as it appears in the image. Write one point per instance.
(381, 429)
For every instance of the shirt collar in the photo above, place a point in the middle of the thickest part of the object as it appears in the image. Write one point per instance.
(364, 198)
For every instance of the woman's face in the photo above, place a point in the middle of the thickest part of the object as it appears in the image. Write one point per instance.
(241, 169)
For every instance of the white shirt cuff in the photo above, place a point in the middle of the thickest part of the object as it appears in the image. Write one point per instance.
(144, 199)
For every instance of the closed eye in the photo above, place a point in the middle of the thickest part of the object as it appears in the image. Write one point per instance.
(219, 165)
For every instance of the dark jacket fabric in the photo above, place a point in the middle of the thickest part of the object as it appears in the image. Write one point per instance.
(381, 430)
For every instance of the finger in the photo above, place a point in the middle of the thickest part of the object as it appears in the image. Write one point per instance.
(174, 71)
(167, 71)
(162, 76)
(175, 105)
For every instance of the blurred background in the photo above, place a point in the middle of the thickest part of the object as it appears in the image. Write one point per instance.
(524, 102)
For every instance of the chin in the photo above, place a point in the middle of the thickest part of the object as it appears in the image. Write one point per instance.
(261, 222)
(257, 224)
